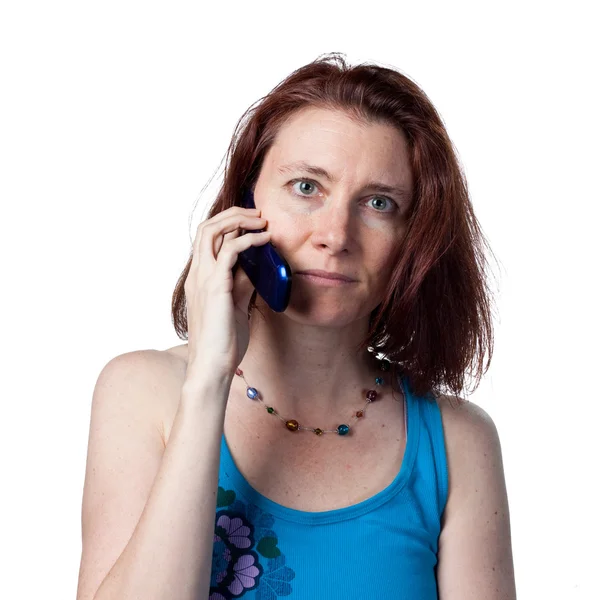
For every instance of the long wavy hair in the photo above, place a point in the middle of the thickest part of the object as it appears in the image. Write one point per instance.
(434, 324)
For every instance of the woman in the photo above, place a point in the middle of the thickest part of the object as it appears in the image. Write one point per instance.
(276, 454)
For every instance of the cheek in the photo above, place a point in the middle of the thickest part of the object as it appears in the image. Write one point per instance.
(382, 264)
(380, 276)
(286, 229)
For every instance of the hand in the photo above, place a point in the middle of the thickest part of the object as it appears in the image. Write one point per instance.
(217, 302)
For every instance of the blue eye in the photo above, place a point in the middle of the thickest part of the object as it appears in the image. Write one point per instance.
(309, 182)
(389, 200)
(304, 181)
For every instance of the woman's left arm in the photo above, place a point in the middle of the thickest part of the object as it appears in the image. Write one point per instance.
(475, 559)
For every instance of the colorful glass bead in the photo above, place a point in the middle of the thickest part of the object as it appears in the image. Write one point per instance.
(371, 395)
(270, 410)
(385, 364)
(318, 431)
(292, 425)
(239, 372)
(343, 429)
(379, 380)
(252, 393)
(360, 413)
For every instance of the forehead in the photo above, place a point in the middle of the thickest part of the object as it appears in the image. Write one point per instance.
(333, 140)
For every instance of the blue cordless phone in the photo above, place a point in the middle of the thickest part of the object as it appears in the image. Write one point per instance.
(268, 271)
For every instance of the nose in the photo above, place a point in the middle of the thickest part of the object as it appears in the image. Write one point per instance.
(332, 226)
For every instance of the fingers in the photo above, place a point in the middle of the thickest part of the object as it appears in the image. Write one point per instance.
(211, 234)
(229, 252)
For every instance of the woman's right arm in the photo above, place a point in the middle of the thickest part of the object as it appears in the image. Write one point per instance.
(164, 551)
(149, 510)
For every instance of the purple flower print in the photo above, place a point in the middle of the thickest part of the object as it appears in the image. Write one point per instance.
(243, 537)
(245, 574)
(237, 533)
(235, 569)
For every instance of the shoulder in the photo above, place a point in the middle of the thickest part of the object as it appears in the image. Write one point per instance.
(473, 450)
(139, 366)
(177, 356)
(466, 425)
(148, 380)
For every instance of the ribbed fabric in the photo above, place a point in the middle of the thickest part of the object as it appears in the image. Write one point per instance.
(383, 547)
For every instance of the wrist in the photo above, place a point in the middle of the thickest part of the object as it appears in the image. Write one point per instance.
(197, 386)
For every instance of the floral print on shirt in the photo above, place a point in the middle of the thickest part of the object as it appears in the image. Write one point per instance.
(245, 553)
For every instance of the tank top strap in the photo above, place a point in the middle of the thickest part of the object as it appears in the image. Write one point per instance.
(431, 466)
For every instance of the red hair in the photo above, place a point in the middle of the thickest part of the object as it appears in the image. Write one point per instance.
(434, 323)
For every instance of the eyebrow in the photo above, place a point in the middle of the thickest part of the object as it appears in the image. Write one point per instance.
(302, 165)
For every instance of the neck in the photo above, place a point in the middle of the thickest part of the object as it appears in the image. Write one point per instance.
(309, 373)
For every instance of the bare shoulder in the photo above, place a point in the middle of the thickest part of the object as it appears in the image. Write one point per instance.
(179, 352)
(475, 553)
(158, 367)
(466, 423)
(159, 374)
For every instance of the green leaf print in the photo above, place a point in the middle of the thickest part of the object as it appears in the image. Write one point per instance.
(225, 497)
(268, 547)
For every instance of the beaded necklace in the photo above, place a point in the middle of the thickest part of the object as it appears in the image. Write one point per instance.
(293, 425)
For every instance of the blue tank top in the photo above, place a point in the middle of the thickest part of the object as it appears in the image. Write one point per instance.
(383, 547)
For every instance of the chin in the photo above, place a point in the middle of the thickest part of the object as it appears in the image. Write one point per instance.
(324, 314)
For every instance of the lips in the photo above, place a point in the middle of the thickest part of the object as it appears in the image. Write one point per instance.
(327, 274)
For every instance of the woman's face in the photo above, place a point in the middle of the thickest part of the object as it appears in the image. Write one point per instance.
(338, 218)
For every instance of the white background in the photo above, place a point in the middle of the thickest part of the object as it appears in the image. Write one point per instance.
(114, 115)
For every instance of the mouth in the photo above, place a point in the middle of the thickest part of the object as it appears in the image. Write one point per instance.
(326, 275)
